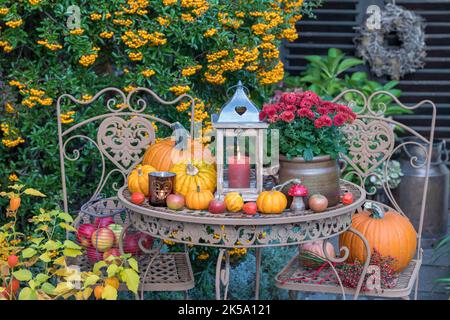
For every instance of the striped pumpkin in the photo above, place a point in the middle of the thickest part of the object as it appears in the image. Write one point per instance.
(190, 176)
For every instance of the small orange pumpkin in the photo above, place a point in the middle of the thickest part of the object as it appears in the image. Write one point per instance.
(271, 202)
(390, 233)
(138, 179)
(198, 199)
(233, 201)
(163, 154)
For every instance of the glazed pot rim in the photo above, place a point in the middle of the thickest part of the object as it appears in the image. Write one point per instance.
(301, 159)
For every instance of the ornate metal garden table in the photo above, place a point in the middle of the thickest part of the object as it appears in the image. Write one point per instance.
(231, 230)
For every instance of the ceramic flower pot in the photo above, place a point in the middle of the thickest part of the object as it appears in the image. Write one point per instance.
(320, 175)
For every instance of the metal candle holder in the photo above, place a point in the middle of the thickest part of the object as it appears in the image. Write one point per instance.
(161, 184)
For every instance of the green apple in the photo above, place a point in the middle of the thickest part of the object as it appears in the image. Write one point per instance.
(117, 229)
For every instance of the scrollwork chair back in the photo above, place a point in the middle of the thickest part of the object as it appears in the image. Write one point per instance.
(372, 143)
(121, 135)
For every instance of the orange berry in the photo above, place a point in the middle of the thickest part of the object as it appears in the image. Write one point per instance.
(113, 282)
(14, 203)
(98, 291)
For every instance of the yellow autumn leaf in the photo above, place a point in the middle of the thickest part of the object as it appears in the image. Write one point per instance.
(67, 227)
(87, 293)
(34, 192)
(63, 287)
(109, 293)
(61, 261)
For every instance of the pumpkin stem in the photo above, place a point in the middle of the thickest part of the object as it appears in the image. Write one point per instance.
(139, 169)
(375, 209)
(198, 188)
(191, 170)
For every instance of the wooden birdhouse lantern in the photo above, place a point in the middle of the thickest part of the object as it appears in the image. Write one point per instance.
(239, 147)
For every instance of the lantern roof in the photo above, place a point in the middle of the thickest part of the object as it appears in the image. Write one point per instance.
(238, 110)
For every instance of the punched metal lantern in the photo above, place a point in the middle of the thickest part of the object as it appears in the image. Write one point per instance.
(239, 147)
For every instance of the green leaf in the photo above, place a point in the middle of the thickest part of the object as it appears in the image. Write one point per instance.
(109, 293)
(28, 294)
(112, 270)
(67, 227)
(48, 288)
(91, 280)
(65, 216)
(334, 52)
(28, 253)
(37, 240)
(63, 287)
(52, 245)
(71, 245)
(34, 192)
(133, 264)
(131, 279)
(72, 252)
(45, 257)
(308, 154)
(42, 277)
(347, 64)
(98, 266)
(23, 275)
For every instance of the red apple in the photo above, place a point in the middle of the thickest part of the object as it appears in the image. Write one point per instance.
(94, 255)
(103, 239)
(216, 206)
(103, 222)
(117, 229)
(84, 234)
(250, 208)
(137, 198)
(318, 203)
(175, 201)
(111, 252)
(130, 244)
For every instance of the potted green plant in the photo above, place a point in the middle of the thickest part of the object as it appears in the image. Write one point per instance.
(310, 139)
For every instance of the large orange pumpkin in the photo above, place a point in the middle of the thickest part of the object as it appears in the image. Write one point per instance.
(163, 154)
(390, 233)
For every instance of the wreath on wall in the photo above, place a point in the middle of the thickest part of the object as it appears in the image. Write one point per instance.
(392, 61)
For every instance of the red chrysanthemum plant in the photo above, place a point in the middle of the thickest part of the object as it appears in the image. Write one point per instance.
(308, 126)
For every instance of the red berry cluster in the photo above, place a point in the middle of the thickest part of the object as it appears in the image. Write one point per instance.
(350, 273)
(297, 105)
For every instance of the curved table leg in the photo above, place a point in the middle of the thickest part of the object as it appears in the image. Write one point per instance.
(258, 272)
(222, 274)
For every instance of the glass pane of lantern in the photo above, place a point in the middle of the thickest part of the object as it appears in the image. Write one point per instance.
(239, 161)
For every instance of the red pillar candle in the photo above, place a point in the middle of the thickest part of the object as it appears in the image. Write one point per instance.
(239, 172)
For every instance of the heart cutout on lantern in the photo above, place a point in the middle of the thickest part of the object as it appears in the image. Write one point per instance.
(240, 110)
(123, 141)
(370, 144)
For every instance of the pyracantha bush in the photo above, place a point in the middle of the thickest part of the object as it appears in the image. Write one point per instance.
(201, 47)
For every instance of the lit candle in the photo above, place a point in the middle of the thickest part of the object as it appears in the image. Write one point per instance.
(238, 171)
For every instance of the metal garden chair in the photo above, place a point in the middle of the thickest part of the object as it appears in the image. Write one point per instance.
(372, 143)
(119, 137)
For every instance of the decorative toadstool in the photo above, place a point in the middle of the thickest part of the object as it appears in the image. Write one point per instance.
(298, 191)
